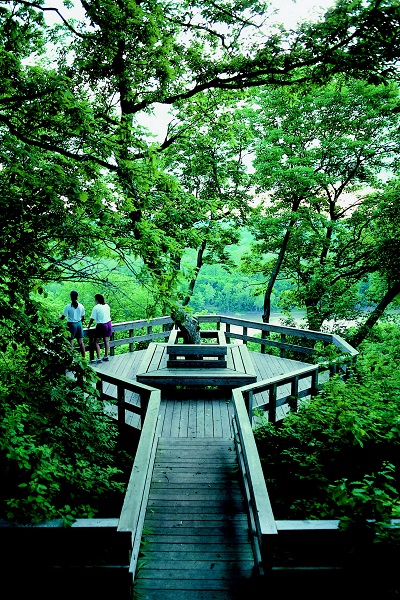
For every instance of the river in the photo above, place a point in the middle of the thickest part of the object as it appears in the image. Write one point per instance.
(298, 317)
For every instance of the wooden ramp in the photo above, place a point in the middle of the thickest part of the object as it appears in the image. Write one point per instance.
(196, 543)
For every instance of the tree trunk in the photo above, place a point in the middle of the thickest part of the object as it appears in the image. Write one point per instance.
(188, 325)
(375, 315)
(199, 264)
(277, 267)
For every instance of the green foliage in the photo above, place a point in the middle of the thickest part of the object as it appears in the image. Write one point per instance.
(58, 451)
(314, 151)
(87, 196)
(338, 457)
(370, 503)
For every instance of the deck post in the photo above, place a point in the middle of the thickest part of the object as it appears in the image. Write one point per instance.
(120, 406)
(294, 392)
(264, 336)
(314, 383)
(272, 403)
(283, 340)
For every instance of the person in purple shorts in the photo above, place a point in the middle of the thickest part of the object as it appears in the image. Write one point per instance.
(101, 315)
(75, 315)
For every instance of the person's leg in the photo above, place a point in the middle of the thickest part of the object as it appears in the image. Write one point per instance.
(106, 336)
(82, 347)
(71, 330)
(96, 343)
(106, 346)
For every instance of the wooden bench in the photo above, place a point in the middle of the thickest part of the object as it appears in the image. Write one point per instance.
(190, 356)
(157, 369)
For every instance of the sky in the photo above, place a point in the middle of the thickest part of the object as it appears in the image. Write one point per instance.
(290, 13)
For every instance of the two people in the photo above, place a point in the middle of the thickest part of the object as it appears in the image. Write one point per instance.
(75, 315)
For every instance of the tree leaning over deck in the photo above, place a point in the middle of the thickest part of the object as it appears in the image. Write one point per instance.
(116, 64)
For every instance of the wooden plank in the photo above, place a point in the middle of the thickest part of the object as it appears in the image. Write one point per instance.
(176, 419)
(208, 419)
(147, 359)
(196, 364)
(140, 471)
(237, 358)
(201, 349)
(188, 527)
(217, 419)
(200, 428)
(248, 366)
(218, 522)
(192, 419)
(183, 595)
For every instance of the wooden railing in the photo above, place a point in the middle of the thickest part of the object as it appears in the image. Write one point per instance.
(268, 337)
(262, 523)
(145, 394)
(286, 339)
(251, 392)
(138, 332)
(136, 497)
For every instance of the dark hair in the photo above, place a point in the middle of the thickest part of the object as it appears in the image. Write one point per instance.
(74, 298)
(99, 298)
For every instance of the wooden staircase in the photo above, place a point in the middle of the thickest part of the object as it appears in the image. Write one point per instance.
(195, 542)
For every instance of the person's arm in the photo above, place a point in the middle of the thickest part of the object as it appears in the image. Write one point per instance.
(90, 322)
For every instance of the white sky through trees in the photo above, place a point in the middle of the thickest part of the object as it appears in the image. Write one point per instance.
(289, 12)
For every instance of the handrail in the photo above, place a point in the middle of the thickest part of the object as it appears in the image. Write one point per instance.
(166, 326)
(135, 501)
(283, 330)
(165, 323)
(123, 385)
(259, 505)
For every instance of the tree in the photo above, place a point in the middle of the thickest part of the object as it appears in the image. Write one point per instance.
(385, 257)
(90, 182)
(314, 151)
(211, 167)
(84, 103)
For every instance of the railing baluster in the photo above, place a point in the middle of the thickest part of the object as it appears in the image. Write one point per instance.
(264, 336)
(272, 403)
(314, 383)
(283, 340)
(121, 406)
(294, 391)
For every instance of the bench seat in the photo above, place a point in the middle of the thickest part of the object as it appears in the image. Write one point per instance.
(157, 369)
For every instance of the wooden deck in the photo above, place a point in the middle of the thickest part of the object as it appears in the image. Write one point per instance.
(196, 541)
(199, 413)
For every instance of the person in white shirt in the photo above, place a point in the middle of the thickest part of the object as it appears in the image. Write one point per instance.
(101, 315)
(75, 315)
